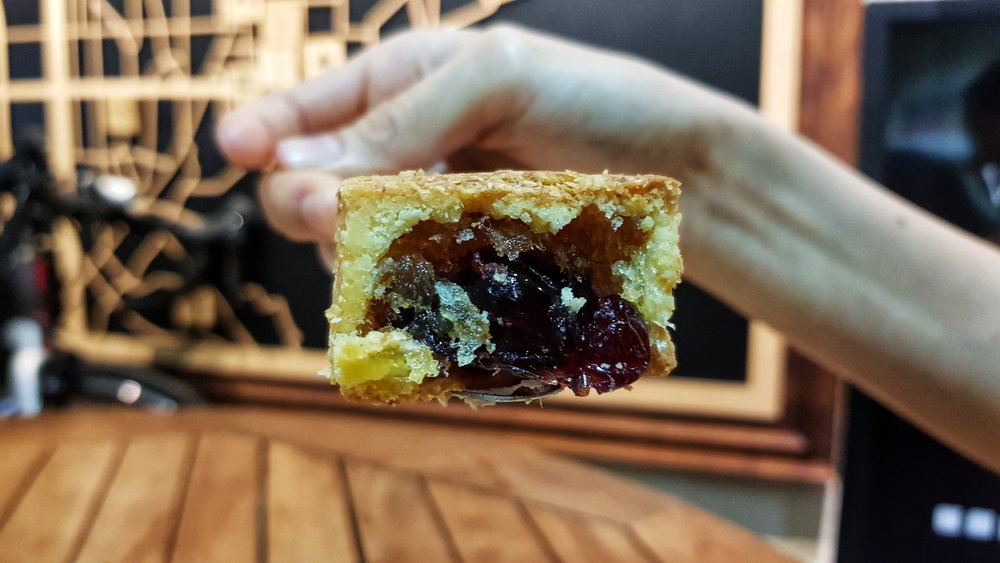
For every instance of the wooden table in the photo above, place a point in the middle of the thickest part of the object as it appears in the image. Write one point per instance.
(250, 485)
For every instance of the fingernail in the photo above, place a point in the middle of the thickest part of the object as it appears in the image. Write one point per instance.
(330, 198)
(319, 209)
(309, 152)
(243, 141)
(322, 202)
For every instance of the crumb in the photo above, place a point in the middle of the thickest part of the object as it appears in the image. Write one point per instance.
(571, 302)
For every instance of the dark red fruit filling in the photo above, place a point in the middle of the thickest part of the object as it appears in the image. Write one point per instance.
(531, 328)
(612, 346)
(605, 346)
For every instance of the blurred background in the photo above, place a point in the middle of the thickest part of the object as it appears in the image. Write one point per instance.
(138, 272)
(930, 117)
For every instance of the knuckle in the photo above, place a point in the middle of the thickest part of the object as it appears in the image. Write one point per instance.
(280, 208)
(383, 124)
(505, 34)
(507, 45)
(295, 112)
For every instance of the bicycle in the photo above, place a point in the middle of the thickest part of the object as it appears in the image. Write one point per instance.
(36, 375)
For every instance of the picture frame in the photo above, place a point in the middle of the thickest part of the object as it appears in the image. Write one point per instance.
(779, 420)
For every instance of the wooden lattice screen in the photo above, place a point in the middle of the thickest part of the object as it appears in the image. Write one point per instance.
(131, 88)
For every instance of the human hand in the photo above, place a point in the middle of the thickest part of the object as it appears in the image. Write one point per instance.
(772, 226)
(470, 100)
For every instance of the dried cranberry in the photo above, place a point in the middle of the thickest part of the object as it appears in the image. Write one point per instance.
(529, 325)
(612, 347)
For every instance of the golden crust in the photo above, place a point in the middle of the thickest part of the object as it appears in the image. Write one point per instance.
(376, 210)
(430, 389)
(546, 190)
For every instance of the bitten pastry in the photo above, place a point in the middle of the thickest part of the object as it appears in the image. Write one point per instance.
(505, 283)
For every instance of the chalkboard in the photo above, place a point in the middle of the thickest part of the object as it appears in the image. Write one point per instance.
(714, 41)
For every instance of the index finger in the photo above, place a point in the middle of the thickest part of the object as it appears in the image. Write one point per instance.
(249, 135)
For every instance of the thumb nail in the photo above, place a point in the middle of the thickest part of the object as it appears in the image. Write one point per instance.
(319, 210)
(309, 152)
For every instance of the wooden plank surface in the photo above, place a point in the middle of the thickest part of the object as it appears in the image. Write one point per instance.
(396, 521)
(793, 450)
(142, 499)
(577, 538)
(21, 463)
(218, 521)
(776, 453)
(679, 534)
(476, 520)
(308, 512)
(49, 520)
(268, 485)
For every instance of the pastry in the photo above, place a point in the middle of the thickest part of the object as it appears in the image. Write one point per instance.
(508, 284)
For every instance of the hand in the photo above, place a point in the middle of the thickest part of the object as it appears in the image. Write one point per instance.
(862, 282)
(469, 100)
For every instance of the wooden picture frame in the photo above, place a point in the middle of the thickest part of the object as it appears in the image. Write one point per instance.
(781, 422)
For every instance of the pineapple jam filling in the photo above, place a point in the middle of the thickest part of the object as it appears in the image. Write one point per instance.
(506, 308)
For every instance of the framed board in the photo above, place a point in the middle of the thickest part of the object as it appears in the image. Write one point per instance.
(132, 87)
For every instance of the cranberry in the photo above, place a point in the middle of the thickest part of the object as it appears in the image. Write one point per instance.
(612, 347)
(529, 325)
(605, 346)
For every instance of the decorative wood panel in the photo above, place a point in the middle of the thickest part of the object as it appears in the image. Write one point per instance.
(133, 88)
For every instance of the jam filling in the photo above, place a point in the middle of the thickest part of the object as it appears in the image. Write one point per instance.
(543, 325)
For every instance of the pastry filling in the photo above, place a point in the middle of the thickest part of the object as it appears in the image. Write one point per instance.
(505, 308)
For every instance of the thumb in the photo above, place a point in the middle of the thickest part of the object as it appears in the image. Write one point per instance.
(302, 205)
(449, 110)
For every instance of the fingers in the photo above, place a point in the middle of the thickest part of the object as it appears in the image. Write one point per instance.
(413, 102)
(327, 252)
(450, 109)
(301, 205)
(248, 135)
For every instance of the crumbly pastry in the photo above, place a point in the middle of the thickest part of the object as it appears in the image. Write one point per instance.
(503, 281)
